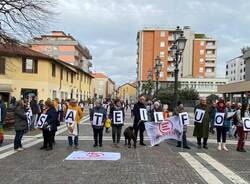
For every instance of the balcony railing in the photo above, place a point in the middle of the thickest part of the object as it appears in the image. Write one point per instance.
(209, 74)
(211, 46)
(208, 64)
(210, 56)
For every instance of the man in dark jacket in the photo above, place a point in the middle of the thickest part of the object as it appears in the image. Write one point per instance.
(21, 125)
(100, 112)
(2, 119)
(35, 111)
(138, 124)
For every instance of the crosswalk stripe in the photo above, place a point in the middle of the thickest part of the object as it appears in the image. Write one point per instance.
(200, 169)
(222, 169)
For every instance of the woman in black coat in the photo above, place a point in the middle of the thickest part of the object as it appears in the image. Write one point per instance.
(49, 126)
(21, 125)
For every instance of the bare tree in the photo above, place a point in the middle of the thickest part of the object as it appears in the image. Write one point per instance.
(24, 18)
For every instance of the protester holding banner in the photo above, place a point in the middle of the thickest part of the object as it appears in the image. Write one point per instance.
(165, 111)
(138, 120)
(117, 117)
(178, 111)
(49, 126)
(221, 123)
(212, 115)
(35, 112)
(201, 122)
(21, 125)
(156, 108)
(98, 117)
(2, 118)
(242, 112)
(73, 110)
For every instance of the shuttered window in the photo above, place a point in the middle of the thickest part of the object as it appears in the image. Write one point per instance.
(29, 65)
(2, 66)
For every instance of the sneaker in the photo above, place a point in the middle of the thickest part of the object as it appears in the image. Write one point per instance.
(20, 149)
(100, 145)
(95, 145)
(76, 147)
(43, 147)
(199, 146)
(49, 149)
(143, 144)
(243, 150)
(205, 147)
(178, 145)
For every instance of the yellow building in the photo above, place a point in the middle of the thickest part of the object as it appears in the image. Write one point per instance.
(24, 73)
(127, 92)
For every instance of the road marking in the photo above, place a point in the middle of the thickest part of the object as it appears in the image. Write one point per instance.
(12, 145)
(11, 152)
(200, 169)
(222, 169)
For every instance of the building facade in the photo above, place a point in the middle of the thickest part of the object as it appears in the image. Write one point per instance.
(25, 73)
(199, 57)
(235, 69)
(102, 86)
(64, 47)
(127, 92)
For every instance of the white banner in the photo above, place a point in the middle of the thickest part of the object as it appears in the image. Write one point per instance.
(29, 116)
(170, 128)
(230, 114)
(184, 118)
(143, 114)
(117, 117)
(72, 129)
(246, 124)
(219, 119)
(199, 115)
(97, 119)
(158, 116)
(70, 116)
(42, 119)
(82, 155)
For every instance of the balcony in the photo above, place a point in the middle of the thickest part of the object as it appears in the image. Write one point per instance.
(170, 69)
(211, 46)
(210, 56)
(170, 58)
(170, 79)
(171, 38)
(209, 64)
(209, 74)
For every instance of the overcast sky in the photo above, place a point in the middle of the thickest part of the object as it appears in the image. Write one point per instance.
(108, 27)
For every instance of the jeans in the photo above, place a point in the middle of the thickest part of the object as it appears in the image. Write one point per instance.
(184, 139)
(33, 121)
(98, 133)
(18, 139)
(204, 141)
(47, 138)
(70, 138)
(242, 137)
(221, 132)
(116, 133)
(141, 128)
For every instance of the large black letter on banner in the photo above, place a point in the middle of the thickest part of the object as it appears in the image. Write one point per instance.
(117, 117)
(198, 119)
(71, 116)
(220, 120)
(183, 118)
(97, 118)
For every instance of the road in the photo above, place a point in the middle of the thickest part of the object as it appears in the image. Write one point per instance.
(143, 165)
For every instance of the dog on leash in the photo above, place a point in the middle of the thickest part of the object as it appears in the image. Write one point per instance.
(129, 135)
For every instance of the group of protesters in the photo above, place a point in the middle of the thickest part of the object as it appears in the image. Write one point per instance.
(56, 111)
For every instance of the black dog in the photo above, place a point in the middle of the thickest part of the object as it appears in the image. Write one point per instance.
(129, 134)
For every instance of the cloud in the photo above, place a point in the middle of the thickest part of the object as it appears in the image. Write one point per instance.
(109, 27)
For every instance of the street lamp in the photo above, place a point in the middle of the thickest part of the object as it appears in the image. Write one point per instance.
(150, 78)
(177, 51)
(157, 69)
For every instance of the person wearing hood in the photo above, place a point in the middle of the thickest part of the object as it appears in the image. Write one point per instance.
(138, 123)
(221, 131)
(100, 113)
(21, 125)
(116, 128)
(156, 108)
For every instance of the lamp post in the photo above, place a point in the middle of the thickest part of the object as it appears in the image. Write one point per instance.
(177, 51)
(157, 69)
(150, 78)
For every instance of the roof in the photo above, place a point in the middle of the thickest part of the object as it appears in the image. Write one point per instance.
(99, 75)
(130, 84)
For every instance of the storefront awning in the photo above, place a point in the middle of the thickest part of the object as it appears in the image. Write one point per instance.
(5, 88)
(237, 87)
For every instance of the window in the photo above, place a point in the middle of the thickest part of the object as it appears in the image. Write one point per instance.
(161, 74)
(226, 72)
(226, 66)
(53, 69)
(2, 66)
(72, 77)
(162, 44)
(67, 76)
(162, 33)
(162, 54)
(162, 64)
(61, 73)
(201, 60)
(201, 69)
(209, 70)
(202, 43)
(29, 65)
(54, 94)
(201, 52)
(209, 52)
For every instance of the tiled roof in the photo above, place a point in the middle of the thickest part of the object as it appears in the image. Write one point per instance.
(99, 75)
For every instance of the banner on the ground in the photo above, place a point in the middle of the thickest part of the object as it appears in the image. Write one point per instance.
(219, 119)
(158, 117)
(70, 116)
(144, 114)
(82, 155)
(199, 115)
(117, 117)
(170, 128)
(246, 124)
(42, 119)
(184, 118)
(98, 119)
